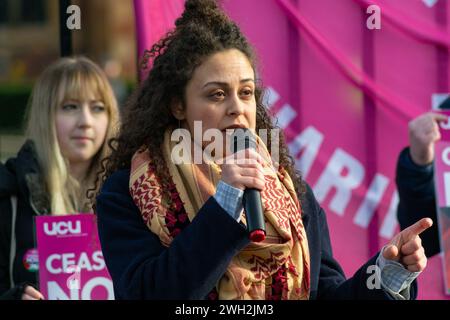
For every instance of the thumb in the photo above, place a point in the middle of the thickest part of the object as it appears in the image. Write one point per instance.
(390, 252)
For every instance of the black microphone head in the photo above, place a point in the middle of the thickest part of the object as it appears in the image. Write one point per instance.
(242, 138)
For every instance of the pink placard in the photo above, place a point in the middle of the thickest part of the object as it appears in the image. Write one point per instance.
(71, 264)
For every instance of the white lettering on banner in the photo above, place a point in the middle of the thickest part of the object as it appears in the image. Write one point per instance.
(371, 201)
(62, 228)
(55, 292)
(270, 97)
(285, 116)
(59, 263)
(305, 148)
(390, 220)
(430, 3)
(310, 140)
(445, 157)
(332, 178)
(447, 188)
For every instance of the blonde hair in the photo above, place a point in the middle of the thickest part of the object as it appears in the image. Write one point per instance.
(67, 78)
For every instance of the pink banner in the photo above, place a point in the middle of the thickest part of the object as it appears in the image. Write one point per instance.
(154, 18)
(71, 264)
(343, 81)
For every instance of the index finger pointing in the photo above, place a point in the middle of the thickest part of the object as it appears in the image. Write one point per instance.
(419, 227)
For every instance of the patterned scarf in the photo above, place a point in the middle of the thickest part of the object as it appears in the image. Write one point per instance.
(278, 265)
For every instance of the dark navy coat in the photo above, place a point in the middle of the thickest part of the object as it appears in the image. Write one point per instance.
(142, 268)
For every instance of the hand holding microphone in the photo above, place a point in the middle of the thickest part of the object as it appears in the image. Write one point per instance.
(244, 170)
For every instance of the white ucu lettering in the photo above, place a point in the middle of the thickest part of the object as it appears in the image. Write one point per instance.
(62, 228)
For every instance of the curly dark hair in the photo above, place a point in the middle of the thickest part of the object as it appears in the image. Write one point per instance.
(202, 30)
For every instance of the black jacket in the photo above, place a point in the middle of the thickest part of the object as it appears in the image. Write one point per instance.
(20, 178)
(141, 268)
(417, 199)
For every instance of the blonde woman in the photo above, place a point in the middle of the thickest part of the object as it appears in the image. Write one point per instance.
(72, 115)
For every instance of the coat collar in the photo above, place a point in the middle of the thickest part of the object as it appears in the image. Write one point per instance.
(24, 177)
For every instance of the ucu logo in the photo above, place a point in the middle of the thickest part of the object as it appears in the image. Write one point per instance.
(62, 228)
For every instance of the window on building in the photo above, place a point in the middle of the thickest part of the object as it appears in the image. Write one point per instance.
(22, 12)
(3, 11)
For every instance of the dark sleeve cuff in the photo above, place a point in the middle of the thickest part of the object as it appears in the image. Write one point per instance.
(413, 181)
(406, 161)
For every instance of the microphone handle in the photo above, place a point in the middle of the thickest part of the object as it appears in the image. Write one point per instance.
(255, 222)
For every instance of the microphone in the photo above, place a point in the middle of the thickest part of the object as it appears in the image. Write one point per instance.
(244, 139)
